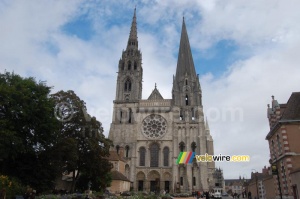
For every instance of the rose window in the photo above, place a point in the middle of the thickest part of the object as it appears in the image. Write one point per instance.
(154, 126)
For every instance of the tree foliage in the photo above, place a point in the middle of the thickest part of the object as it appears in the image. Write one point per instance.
(82, 148)
(27, 129)
(43, 135)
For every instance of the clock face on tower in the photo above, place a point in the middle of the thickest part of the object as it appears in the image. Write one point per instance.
(154, 126)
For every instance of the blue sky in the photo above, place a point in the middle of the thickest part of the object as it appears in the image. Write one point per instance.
(245, 51)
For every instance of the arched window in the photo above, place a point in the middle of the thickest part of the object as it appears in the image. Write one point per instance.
(181, 146)
(118, 149)
(123, 66)
(193, 146)
(166, 156)
(129, 65)
(127, 151)
(127, 85)
(186, 82)
(135, 65)
(142, 156)
(154, 148)
(186, 100)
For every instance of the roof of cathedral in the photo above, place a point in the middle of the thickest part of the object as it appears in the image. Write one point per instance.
(155, 95)
(116, 175)
(185, 63)
(292, 110)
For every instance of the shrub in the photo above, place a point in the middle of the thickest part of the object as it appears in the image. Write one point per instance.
(11, 186)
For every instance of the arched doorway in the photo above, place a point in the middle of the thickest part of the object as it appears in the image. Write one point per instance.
(140, 177)
(167, 181)
(154, 180)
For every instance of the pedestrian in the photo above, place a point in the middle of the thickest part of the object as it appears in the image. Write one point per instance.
(249, 195)
(207, 195)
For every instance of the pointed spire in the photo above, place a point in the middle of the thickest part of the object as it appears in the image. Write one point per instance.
(185, 63)
(206, 124)
(133, 40)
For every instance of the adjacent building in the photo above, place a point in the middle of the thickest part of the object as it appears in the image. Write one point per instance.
(120, 181)
(154, 131)
(283, 139)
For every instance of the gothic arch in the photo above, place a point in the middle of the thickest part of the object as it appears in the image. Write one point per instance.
(127, 84)
(153, 175)
(166, 154)
(142, 151)
(193, 146)
(167, 176)
(129, 65)
(140, 175)
(181, 146)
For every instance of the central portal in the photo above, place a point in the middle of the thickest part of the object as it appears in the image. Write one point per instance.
(154, 181)
(154, 185)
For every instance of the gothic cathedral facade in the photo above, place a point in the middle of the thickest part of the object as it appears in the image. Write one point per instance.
(152, 132)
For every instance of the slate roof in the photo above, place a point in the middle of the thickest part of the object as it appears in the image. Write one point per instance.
(116, 175)
(292, 110)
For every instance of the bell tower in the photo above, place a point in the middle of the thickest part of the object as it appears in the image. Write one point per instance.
(186, 87)
(130, 73)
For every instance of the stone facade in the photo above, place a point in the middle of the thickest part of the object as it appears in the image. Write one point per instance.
(154, 131)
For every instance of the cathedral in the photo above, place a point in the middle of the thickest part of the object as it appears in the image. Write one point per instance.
(151, 133)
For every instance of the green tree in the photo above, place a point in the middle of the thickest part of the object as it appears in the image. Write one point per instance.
(28, 130)
(83, 149)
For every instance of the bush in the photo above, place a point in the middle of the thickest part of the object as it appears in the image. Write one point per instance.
(11, 186)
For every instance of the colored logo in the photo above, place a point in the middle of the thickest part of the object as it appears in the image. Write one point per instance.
(185, 157)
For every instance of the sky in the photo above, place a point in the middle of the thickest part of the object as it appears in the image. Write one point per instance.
(244, 52)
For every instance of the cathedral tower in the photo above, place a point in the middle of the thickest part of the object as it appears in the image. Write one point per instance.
(130, 73)
(186, 87)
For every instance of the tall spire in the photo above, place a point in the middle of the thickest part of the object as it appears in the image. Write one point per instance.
(130, 74)
(185, 63)
(186, 87)
(133, 40)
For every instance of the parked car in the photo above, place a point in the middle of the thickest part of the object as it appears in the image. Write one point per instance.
(225, 194)
(217, 194)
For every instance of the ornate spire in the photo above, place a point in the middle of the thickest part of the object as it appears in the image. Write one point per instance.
(185, 63)
(133, 39)
(206, 124)
(186, 87)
